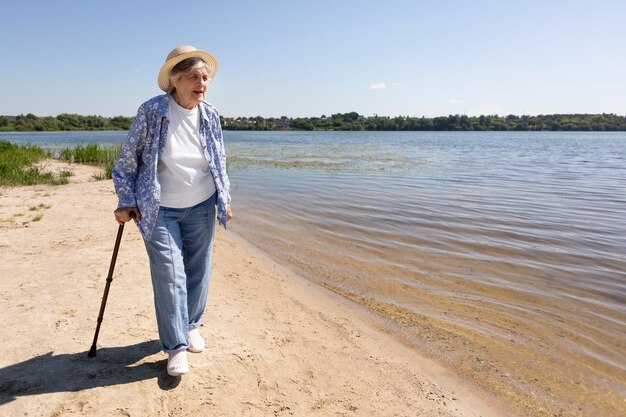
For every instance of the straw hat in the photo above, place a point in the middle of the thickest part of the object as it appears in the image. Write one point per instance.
(180, 54)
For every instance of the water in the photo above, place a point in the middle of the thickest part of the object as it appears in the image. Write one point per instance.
(500, 254)
(547, 201)
(60, 140)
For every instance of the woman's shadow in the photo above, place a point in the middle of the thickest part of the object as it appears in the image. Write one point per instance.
(75, 372)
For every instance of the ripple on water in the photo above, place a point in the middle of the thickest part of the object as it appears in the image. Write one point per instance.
(513, 244)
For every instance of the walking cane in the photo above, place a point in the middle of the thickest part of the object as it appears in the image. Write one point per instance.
(120, 230)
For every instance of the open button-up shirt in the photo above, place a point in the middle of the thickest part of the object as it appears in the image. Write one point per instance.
(135, 170)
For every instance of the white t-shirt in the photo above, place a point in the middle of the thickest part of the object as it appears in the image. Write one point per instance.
(183, 170)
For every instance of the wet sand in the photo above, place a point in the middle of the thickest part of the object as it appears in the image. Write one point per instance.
(277, 344)
(542, 355)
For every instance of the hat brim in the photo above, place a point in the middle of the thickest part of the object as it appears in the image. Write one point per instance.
(164, 73)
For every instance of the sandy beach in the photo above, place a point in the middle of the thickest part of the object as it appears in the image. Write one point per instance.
(276, 343)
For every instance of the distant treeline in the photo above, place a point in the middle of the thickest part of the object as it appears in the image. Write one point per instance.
(32, 123)
(341, 121)
(354, 121)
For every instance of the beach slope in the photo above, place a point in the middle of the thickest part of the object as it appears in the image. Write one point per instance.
(276, 344)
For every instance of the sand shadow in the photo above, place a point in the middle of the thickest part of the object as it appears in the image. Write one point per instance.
(76, 372)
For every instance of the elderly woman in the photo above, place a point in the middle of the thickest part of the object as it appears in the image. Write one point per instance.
(171, 175)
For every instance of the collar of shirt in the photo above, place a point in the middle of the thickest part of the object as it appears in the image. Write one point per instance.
(163, 105)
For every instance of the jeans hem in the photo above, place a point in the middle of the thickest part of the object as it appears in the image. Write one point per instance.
(176, 350)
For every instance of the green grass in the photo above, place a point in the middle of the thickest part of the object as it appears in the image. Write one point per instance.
(18, 166)
(65, 174)
(19, 163)
(92, 154)
(39, 207)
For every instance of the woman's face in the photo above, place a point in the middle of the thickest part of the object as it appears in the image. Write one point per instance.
(190, 88)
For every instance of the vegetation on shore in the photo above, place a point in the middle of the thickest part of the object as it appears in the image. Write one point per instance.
(354, 121)
(19, 166)
(343, 121)
(23, 164)
(92, 154)
(62, 122)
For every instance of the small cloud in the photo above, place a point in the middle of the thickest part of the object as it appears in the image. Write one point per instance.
(395, 84)
(135, 70)
(454, 101)
(376, 86)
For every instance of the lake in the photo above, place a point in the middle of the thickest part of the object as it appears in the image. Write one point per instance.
(500, 254)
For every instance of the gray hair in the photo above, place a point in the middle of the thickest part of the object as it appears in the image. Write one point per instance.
(185, 67)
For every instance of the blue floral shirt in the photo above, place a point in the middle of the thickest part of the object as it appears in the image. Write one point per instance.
(135, 169)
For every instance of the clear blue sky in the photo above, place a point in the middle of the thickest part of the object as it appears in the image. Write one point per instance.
(308, 58)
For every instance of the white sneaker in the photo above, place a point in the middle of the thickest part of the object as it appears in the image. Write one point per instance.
(196, 342)
(177, 363)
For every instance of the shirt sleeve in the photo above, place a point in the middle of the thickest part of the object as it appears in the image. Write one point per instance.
(222, 156)
(126, 165)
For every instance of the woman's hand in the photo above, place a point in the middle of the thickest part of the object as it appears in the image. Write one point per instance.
(124, 214)
(229, 213)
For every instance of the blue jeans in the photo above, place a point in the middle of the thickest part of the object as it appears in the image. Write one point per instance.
(180, 253)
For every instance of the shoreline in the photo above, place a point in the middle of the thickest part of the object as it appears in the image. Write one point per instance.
(353, 121)
(529, 351)
(526, 315)
(276, 343)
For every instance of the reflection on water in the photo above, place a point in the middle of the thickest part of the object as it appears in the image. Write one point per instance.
(510, 243)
